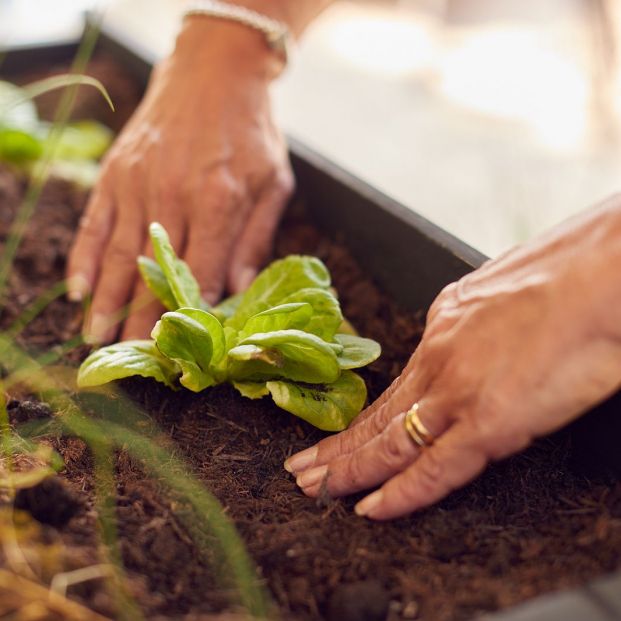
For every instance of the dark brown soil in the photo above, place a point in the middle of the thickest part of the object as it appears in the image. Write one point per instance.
(529, 525)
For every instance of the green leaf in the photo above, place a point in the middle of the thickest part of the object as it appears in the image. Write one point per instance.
(17, 111)
(83, 140)
(23, 137)
(127, 359)
(186, 341)
(252, 390)
(227, 307)
(331, 407)
(277, 282)
(230, 337)
(19, 147)
(254, 353)
(327, 316)
(155, 280)
(35, 89)
(213, 327)
(347, 328)
(282, 317)
(291, 354)
(182, 283)
(83, 173)
(357, 351)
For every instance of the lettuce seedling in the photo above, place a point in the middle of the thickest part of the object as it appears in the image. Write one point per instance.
(285, 336)
(24, 137)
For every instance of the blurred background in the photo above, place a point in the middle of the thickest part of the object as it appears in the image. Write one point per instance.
(493, 118)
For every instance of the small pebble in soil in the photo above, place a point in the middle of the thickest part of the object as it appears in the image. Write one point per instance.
(366, 600)
(50, 502)
(23, 411)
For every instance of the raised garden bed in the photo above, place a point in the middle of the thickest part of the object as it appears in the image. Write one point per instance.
(530, 525)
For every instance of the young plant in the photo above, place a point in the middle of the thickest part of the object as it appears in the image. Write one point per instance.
(282, 337)
(25, 138)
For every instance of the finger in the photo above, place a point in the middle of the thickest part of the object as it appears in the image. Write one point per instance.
(456, 458)
(86, 253)
(255, 243)
(117, 278)
(145, 309)
(144, 312)
(211, 240)
(408, 391)
(373, 463)
(387, 394)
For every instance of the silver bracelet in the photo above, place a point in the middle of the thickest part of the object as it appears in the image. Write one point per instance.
(276, 33)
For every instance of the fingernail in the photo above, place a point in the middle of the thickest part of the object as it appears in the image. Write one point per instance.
(96, 331)
(210, 297)
(312, 476)
(366, 505)
(246, 277)
(77, 288)
(301, 461)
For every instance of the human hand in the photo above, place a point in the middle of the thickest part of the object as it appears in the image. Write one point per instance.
(513, 351)
(202, 156)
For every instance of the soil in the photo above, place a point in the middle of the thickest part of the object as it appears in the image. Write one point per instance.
(529, 525)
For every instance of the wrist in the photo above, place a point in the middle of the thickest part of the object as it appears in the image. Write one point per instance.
(208, 43)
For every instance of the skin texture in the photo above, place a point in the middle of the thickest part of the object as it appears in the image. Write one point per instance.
(201, 156)
(513, 351)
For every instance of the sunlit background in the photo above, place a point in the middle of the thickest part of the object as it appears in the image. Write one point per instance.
(493, 118)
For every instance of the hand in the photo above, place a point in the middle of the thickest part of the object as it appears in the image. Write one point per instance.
(202, 156)
(513, 351)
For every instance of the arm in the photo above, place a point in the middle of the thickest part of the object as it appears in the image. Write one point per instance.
(202, 156)
(511, 352)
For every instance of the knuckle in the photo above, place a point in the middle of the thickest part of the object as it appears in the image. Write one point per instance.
(376, 424)
(133, 165)
(225, 191)
(341, 444)
(447, 295)
(441, 316)
(395, 449)
(120, 254)
(355, 469)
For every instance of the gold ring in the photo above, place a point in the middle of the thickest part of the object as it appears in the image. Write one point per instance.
(416, 429)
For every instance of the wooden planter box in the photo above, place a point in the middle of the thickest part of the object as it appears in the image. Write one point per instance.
(398, 246)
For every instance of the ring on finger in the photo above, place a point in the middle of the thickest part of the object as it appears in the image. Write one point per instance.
(416, 429)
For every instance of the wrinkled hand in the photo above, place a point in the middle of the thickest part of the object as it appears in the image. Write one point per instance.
(202, 156)
(513, 351)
